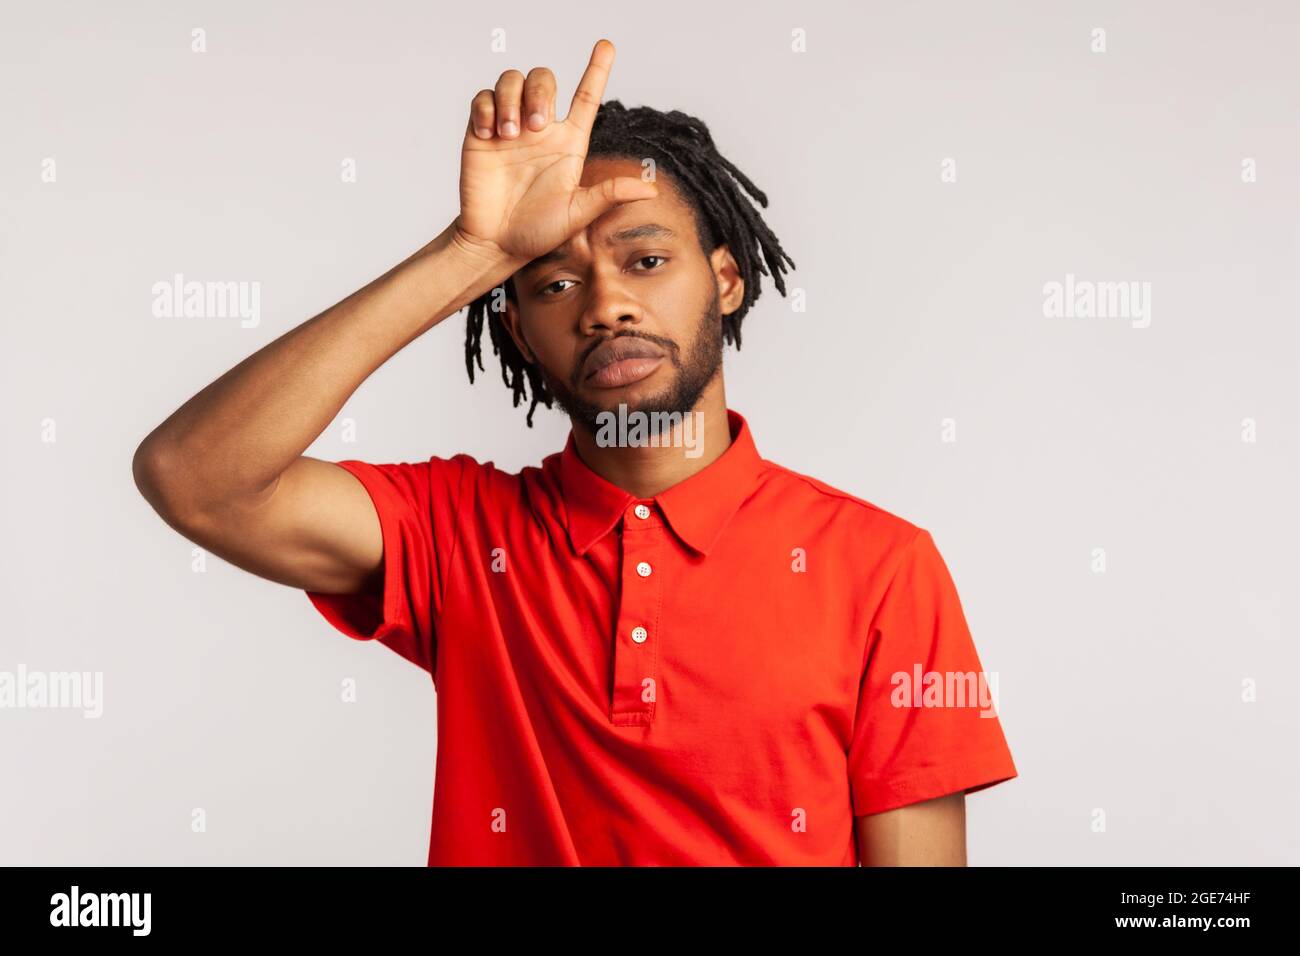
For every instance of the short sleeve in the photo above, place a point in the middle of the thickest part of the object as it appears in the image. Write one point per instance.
(416, 503)
(925, 724)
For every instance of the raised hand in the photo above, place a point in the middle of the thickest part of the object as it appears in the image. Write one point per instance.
(520, 173)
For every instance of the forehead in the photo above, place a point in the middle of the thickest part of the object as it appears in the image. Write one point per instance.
(667, 217)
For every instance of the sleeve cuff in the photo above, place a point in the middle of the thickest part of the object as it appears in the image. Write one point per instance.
(366, 616)
(877, 796)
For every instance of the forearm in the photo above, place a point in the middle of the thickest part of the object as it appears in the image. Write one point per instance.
(233, 439)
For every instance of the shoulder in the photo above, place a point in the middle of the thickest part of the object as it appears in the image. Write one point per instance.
(437, 478)
(808, 499)
(489, 487)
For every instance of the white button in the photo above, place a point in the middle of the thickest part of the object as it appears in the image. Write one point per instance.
(639, 634)
(642, 511)
(643, 569)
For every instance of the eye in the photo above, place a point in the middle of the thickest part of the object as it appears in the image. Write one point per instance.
(542, 290)
(549, 290)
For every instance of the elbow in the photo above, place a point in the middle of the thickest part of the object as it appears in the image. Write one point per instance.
(153, 468)
(146, 467)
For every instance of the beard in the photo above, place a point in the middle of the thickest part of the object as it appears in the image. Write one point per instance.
(692, 376)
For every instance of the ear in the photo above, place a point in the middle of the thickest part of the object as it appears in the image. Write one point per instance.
(512, 323)
(731, 286)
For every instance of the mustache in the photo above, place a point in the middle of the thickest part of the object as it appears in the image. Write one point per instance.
(669, 347)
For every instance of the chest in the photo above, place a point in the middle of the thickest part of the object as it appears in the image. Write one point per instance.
(756, 637)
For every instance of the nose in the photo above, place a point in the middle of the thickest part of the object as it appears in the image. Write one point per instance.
(609, 307)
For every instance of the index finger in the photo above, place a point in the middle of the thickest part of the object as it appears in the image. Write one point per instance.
(586, 99)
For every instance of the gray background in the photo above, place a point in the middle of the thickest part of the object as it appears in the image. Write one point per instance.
(1118, 691)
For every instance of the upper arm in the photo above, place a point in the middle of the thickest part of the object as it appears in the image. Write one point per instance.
(316, 529)
(925, 723)
(928, 833)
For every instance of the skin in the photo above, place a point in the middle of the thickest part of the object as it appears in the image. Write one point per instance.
(929, 833)
(228, 468)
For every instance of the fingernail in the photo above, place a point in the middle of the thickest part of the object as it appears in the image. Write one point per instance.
(482, 132)
(536, 120)
(509, 128)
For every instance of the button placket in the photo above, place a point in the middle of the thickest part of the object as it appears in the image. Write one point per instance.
(636, 651)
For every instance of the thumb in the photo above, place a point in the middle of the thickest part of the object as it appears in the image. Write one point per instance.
(591, 202)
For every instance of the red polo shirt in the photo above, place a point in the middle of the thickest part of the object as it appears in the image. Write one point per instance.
(726, 673)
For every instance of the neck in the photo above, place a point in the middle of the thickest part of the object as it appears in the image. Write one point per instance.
(645, 470)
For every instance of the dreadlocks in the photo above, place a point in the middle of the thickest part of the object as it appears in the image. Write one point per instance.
(681, 145)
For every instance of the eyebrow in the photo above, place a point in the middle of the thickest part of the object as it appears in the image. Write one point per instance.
(649, 230)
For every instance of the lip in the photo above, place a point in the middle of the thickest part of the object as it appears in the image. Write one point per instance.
(621, 361)
(623, 372)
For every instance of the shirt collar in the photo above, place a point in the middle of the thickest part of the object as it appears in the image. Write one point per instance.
(697, 508)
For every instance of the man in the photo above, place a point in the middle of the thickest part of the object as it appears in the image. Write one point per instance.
(657, 647)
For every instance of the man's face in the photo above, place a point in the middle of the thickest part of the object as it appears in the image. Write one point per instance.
(635, 277)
